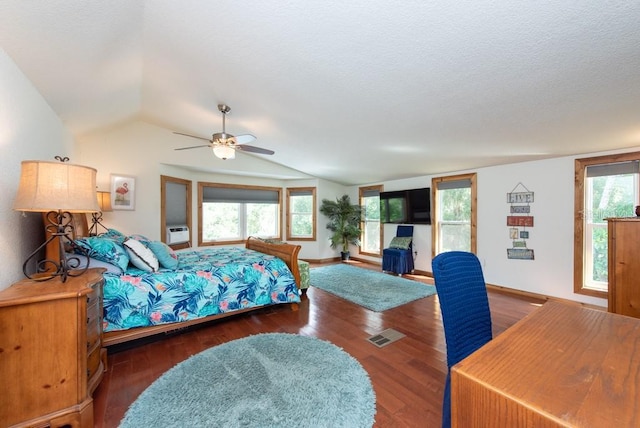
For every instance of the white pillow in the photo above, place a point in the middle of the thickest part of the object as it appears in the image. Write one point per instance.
(140, 256)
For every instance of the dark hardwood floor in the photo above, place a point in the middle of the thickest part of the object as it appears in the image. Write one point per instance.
(407, 375)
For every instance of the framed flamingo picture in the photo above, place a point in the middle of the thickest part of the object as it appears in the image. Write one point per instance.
(123, 192)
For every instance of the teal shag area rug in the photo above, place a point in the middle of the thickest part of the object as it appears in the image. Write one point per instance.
(365, 287)
(265, 380)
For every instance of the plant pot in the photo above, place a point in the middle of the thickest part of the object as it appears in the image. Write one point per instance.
(344, 255)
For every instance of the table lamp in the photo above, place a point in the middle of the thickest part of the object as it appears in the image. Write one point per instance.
(58, 189)
(104, 202)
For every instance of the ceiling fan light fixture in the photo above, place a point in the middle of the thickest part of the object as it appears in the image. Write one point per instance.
(224, 152)
(224, 145)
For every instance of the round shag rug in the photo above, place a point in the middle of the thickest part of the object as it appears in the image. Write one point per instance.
(266, 380)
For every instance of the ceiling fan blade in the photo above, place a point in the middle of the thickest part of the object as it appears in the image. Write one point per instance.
(193, 136)
(193, 147)
(245, 138)
(254, 149)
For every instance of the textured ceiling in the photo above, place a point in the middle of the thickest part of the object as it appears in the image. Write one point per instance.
(355, 92)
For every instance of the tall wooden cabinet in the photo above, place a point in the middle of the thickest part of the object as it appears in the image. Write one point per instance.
(51, 353)
(624, 266)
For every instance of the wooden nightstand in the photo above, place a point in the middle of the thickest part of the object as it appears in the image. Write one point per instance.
(51, 354)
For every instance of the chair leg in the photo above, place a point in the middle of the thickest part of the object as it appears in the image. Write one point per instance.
(446, 402)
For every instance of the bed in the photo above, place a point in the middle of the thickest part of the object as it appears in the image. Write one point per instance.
(143, 297)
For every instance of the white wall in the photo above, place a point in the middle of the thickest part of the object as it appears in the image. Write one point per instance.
(29, 130)
(551, 238)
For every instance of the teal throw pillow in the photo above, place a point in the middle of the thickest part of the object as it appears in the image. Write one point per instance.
(165, 254)
(114, 235)
(401, 242)
(105, 250)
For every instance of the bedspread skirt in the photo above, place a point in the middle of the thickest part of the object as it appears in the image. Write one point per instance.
(206, 282)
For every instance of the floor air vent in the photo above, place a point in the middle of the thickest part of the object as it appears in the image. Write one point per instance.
(386, 337)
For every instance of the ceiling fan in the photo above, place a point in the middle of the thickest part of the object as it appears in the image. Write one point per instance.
(225, 145)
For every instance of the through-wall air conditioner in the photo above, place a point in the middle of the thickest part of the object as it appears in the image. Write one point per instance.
(177, 234)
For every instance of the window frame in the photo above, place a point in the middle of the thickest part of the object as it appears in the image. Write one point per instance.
(579, 252)
(435, 214)
(361, 192)
(290, 191)
(202, 185)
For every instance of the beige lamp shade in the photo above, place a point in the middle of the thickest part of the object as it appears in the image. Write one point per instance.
(104, 201)
(52, 186)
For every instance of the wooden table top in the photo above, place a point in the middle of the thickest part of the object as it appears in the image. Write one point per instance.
(568, 364)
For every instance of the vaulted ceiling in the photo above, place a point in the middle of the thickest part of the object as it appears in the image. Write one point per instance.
(351, 91)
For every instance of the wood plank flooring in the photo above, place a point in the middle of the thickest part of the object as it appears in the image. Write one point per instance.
(407, 375)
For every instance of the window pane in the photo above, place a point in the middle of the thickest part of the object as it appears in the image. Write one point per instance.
(301, 215)
(220, 221)
(606, 196)
(454, 219)
(301, 204)
(610, 196)
(371, 225)
(371, 208)
(455, 237)
(371, 237)
(262, 220)
(301, 225)
(599, 251)
(456, 204)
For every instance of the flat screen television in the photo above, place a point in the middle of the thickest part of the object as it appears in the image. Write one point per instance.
(393, 207)
(411, 206)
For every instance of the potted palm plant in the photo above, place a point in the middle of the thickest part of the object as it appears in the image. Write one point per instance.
(344, 223)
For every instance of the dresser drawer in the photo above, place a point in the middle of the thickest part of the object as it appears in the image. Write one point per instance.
(94, 326)
(94, 297)
(93, 362)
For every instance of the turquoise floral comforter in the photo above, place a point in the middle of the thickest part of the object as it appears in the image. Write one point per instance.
(207, 281)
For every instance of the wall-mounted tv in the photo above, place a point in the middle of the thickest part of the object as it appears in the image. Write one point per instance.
(411, 206)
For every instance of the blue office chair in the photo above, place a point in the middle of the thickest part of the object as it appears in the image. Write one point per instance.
(464, 305)
(399, 260)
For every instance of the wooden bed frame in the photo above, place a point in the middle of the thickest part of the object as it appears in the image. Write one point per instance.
(287, 252)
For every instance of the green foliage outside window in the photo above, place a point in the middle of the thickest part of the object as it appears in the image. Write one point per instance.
(610, 196)
(301, 212)
(222, 221)
(371, 229)
(456, 204)
(262, 220)
(455, 223)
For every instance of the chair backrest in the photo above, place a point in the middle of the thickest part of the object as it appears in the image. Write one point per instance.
(404, 230)
(464, 304)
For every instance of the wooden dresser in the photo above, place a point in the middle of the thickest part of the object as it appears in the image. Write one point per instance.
(51, 353)
(563, 365)
(624, 266)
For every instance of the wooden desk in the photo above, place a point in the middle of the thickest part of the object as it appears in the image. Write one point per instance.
(562, 365)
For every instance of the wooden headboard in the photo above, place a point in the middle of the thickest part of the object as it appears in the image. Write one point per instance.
(287, 252)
